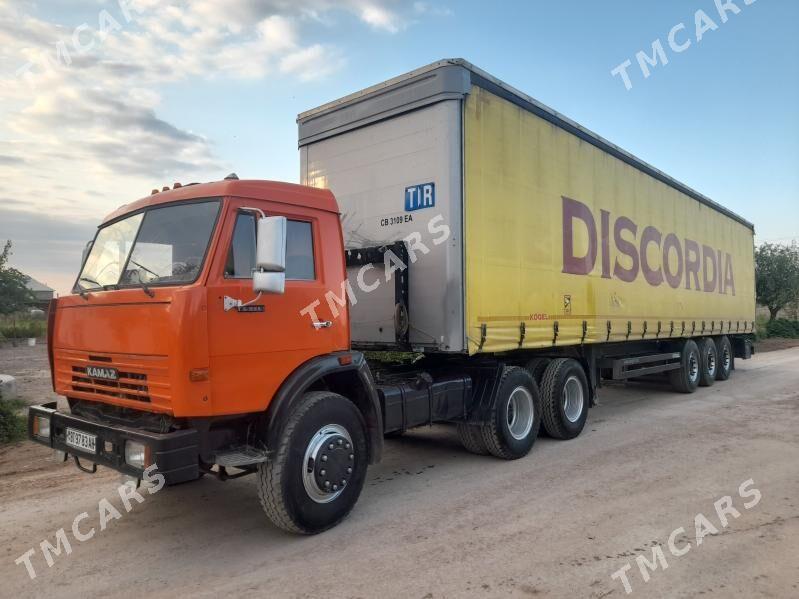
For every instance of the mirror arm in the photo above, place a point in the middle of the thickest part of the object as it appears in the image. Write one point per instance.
(251, 209)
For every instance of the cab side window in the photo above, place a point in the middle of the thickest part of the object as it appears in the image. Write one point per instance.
(299, 250)
(241, 257)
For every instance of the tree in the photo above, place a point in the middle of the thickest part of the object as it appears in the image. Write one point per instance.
(14, 292)
(777, 276)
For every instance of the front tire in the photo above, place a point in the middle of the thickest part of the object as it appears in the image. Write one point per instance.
(319, 466)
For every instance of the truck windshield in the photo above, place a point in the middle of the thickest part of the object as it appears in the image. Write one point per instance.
(162, 245)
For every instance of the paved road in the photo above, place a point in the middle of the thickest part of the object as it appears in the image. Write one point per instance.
(435, 521)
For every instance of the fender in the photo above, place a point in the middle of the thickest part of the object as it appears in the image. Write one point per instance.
(358, 388)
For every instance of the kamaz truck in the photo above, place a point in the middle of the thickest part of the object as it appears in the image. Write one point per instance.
(494, 260)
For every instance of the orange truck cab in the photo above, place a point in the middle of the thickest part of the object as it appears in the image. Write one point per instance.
(169, 358)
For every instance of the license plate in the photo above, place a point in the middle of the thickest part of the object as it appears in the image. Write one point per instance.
(81, 440)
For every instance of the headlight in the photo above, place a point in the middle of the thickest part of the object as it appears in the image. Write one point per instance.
(41, 427)
(136, 454)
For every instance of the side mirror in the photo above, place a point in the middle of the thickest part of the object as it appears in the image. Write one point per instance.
(270, 255)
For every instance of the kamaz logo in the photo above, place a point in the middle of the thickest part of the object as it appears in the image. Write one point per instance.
(420, 196)
(100, 372)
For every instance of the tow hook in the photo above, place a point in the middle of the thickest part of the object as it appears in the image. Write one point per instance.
(84, 468)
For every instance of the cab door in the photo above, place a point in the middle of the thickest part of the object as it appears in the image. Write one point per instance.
(254, 348)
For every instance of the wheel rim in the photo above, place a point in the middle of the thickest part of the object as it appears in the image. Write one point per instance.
(726, 359)
(573, 399)
(328, 464)
(520, 413)
(711, 362)
(693, 367)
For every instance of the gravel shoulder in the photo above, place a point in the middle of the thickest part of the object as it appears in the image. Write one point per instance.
(435, 521)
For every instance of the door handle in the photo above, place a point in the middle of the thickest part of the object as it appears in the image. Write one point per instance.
(325, 324)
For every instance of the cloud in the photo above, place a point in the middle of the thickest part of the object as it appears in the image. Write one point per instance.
(81, 129)
(380, 17)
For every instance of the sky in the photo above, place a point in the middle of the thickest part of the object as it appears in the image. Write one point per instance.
(101, 101)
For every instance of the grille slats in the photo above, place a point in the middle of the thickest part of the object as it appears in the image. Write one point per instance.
(143, 379)
(130, 385)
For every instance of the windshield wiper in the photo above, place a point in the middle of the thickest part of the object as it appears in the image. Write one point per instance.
(90, 280)
(144, 285)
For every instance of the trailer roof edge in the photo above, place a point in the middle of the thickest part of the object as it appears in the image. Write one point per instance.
(452, 79)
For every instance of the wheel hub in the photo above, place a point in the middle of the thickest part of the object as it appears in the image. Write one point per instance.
(520, 413)
(711, 363)
(573, 399)
(693, 368)
(329, 463)
(725, 358)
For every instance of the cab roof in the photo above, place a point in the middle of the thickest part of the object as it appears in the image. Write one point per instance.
(274, 191)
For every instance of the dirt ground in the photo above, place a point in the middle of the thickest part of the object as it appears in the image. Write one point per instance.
(434, 521)
(774, 344)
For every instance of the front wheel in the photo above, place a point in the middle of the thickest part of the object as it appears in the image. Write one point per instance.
(319, 466)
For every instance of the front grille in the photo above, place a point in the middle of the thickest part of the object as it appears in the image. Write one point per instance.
(144, 380)
(131, 385)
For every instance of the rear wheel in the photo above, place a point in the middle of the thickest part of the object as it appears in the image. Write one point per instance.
(471, 437)
(686, 378)
(516, 417)
(724, 357)
(319, 466)
(709, 362)
(537, 366)
(564, 398)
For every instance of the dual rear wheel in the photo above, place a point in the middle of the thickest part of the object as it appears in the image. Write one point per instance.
(559, 404)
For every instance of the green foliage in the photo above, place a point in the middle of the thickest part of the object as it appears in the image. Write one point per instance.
(782, 327)
(777, 276)
(13, 427)
(22, 329)
(14, 293)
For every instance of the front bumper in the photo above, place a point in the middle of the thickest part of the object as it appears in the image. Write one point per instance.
(176, 454)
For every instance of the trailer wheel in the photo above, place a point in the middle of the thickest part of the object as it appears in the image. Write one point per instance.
(319, 465)
(537, 366)
(710, 362)
(686, 378)
(564, 398)
(513, 425)
(472, 438)
(724, 358)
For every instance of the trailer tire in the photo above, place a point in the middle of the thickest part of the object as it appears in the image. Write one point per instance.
(710, 362)
(515, 417)
(472, 438)
(564, 398)
(725, 358)
(295, 498)
(537, 366)
(686, 378)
